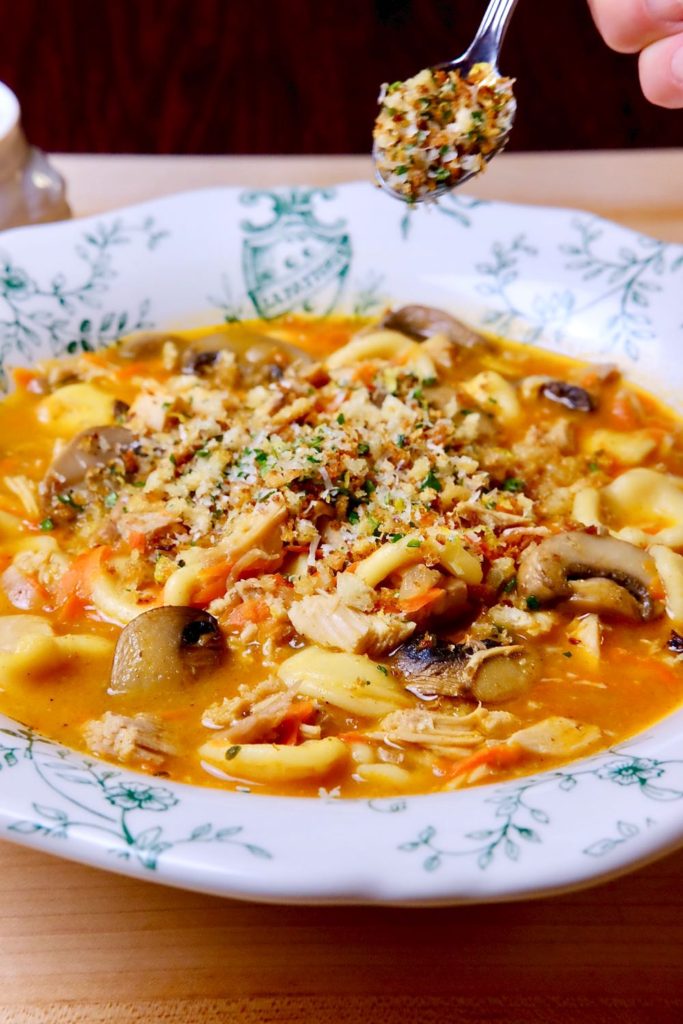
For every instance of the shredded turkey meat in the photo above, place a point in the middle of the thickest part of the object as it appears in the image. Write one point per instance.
(137, 738)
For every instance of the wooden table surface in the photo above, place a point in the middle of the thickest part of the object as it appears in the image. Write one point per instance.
(79, 946)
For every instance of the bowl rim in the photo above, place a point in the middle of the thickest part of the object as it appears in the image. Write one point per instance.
(351, 874)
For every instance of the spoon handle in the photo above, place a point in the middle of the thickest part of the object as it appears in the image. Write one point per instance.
(489, 38)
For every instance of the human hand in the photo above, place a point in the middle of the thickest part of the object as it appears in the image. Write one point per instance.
(653, 28)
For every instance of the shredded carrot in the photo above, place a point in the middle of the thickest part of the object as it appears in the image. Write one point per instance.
(212, 583)
(300, 711)
(623, 414)
(94, 358)
(78, 579)
(219, 570)
(23, 377)
(136, 541)
(504, 755)
(254, 610)
(354, 737)
(365, 373)
(419, 601)
(135, 370)
(72, 608)
(288, 732)
(282, 581)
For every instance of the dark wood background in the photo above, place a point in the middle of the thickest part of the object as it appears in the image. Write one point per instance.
(298, 76)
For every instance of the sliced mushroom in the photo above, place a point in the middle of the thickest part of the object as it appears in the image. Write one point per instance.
(146, 344)
(569, 395)
(165, 648)
(422, 322)
(559, 567)
(485, 670)
(92, 448)
(254, 350)
(603, 596)
(504, 674)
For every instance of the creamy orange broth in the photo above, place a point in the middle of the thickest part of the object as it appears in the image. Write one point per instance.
(636, 681)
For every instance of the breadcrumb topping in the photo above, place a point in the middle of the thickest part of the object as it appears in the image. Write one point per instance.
(439, 125)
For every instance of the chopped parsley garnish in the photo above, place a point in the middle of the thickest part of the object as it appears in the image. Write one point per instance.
(111, 499)
(232, 752)
(353, 517)
(414, 543)
(66, 499)
(532, 603)
(383, 669)
(260, 457)
(363, 448)
(395, 537)
(566, 654)
(202, 453)
(341, 419)
(401, 440)
(513, 484)
(47, 524)
(431, 480)
(510, 586)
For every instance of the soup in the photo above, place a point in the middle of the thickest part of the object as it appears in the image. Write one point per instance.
(337, 556)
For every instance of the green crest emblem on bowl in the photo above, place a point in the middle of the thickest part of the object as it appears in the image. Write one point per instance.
(294, 262)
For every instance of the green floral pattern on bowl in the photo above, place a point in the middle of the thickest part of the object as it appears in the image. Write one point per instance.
(560, 278)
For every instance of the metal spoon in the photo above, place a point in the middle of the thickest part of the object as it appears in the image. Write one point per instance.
(485, 47)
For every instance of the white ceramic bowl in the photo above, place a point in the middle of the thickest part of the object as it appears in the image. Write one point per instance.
(560, 278)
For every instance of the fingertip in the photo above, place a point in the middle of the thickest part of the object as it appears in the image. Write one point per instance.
(661, 72)
(625, 25)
